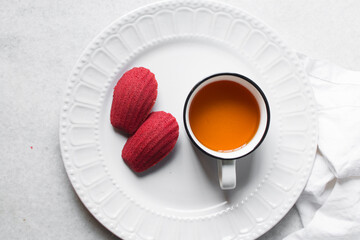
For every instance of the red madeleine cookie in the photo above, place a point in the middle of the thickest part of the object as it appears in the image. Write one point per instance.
(155, 139)
(134, 96)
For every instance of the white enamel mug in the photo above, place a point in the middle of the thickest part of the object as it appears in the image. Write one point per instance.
(227, 160)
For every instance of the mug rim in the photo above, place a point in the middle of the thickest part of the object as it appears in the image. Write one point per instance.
(235, 75)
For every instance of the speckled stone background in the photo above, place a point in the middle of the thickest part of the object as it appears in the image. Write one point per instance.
(40, 42)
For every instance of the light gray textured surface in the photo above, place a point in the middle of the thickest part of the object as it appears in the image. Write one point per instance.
(40, 42)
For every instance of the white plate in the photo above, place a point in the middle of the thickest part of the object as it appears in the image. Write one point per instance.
(180, 198)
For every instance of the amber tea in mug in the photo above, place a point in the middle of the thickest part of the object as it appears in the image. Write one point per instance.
(224, 116)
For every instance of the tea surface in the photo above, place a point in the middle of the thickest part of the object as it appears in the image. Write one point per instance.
(224, 116)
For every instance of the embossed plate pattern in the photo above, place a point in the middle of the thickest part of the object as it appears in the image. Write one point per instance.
(183, 42)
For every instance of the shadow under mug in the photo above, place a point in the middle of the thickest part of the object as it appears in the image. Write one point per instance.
(227, 160)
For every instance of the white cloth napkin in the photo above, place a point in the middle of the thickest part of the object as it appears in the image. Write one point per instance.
(329, 206)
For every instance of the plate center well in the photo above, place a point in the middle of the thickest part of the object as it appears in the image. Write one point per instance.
(185, 182)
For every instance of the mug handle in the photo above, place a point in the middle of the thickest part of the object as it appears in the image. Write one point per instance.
(227, 174)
